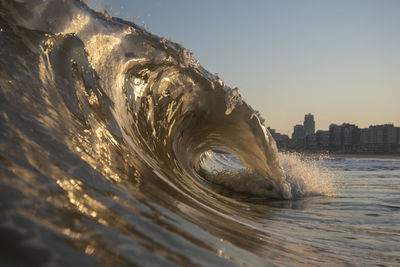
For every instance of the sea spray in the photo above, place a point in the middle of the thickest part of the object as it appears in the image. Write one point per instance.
(103, 130)
(307, 175)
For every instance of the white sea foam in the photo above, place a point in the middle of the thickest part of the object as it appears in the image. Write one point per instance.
(307, 175)
(304, 176)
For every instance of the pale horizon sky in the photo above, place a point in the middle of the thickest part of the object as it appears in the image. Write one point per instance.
(339, 60)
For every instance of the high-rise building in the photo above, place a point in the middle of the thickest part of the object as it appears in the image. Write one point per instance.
(299, 132)
(390, 134)
(323, 139)
(282, 140)
(351, 136)
(298, 137)
(364, 138)
(309, 124)
(335, 136)
(398, 135)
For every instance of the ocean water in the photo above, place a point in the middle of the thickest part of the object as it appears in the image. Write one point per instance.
(118, 148)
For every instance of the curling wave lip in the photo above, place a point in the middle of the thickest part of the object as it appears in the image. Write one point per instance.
(118, 147)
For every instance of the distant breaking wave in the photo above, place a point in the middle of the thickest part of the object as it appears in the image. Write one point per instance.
(99, 118)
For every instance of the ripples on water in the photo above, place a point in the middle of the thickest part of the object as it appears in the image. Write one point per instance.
(118, 148)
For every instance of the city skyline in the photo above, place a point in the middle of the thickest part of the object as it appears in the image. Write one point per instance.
(336, 59)
(342, 138)
(337, 122)
(309, 119)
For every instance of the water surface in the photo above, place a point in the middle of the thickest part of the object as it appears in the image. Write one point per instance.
(118, 148)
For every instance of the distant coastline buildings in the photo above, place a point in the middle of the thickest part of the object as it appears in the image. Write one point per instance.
(309, 124)
(344, 138)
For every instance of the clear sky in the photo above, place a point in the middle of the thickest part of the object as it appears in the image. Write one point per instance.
(339, 60)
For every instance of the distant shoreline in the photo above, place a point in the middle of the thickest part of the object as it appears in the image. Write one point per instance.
(377, 156)
(355, 155)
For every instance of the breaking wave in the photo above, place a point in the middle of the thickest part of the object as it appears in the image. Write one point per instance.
(113, 140)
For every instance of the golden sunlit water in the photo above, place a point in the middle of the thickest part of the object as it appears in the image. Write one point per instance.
(118, 148)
